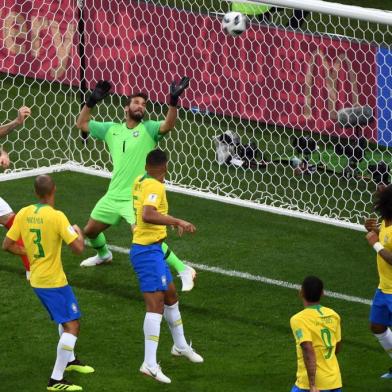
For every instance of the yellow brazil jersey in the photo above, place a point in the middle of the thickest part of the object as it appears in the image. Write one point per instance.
(321, 326)
(43, 229)
(385, 269)
(148, 191)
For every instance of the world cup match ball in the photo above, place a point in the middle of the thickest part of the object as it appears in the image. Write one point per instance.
(234, 23)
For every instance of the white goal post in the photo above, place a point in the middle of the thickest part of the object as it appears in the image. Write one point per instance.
(324, 7)
(294, 116)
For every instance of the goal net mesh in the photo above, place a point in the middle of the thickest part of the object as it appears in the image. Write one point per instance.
(293, 113)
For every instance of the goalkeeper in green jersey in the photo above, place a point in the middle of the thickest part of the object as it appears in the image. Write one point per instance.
(128, 143)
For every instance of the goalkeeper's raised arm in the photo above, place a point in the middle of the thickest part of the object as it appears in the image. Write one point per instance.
(100, 92)
(175, 91)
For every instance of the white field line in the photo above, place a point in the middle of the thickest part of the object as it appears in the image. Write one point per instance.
(259, 278)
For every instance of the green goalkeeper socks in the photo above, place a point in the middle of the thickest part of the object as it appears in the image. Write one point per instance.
(172, 259)
(99, 244)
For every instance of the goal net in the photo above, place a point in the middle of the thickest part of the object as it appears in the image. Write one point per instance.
(292, 116)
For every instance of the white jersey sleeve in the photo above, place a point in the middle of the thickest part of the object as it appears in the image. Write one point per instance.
(5, 209)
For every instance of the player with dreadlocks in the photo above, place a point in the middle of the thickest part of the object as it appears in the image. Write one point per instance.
(380, 238)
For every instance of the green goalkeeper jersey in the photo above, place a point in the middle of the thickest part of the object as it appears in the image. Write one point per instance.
(128, 149)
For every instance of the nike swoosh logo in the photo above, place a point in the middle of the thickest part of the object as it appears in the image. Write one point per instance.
(152, 373)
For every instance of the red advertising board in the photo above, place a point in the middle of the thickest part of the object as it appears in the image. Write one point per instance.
(38, 39)
(268, 74)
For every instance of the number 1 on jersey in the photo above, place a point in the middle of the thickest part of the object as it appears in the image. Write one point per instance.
(37, 242)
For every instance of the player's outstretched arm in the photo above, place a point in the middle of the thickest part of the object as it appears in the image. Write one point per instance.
(185, 227)
(77, 246)
(23, 113)
(176, 89)
(152, 216)
(310, 364)
(4, 159)
(12, 247)
(100, 92)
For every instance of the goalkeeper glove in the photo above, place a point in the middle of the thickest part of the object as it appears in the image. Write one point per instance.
(99, 93)
(177, 89)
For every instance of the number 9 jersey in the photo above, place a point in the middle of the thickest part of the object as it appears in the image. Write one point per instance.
(320, 326)
(43, 229)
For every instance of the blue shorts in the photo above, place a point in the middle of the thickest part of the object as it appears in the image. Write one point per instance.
(150, 266)
(381, 310)
(60, 302)
(296, 389)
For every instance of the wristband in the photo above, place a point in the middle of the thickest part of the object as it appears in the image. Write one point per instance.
(173, 101)
(378, 246)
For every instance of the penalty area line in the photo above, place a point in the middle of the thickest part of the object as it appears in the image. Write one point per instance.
(259, 278)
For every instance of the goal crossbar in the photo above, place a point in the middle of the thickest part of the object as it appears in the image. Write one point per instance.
(324, 7)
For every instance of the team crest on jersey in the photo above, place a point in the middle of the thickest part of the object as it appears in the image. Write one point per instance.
(74, 308)
(386, 240)
(152, 197)
(299, 334)
(135, 133)
(163, 277)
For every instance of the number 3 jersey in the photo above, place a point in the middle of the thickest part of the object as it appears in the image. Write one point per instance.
(320, 326)
(43, 229)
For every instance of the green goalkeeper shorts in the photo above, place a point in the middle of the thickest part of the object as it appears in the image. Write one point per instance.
(110, 211)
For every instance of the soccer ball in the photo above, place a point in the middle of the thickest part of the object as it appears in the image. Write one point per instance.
(234, 23)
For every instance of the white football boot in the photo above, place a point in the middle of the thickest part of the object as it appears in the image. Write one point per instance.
(96, 260)
(155, 373)
(189, 353)
(187, 278)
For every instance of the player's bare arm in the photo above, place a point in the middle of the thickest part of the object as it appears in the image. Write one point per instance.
(83, 119)
(4, 159)
(170, 121)
(175, 92)
(151, 215)
(23, 113)
(12, 247)
(310, 364)
(98, 94)
(184, 226)
(372, 238)
(77, 246)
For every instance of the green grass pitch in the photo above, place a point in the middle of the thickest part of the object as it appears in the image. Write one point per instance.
(241, 327)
